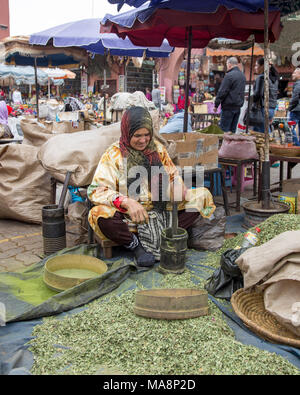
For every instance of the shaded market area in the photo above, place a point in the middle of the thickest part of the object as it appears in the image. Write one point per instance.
(207, 283)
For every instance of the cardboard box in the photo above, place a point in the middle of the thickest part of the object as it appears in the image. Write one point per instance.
(200, 108)
(195, 149)
(280, 114)
(64, 126)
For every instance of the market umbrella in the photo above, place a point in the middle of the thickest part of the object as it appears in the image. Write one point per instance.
(285, 7)
(86, 34)
(23, 74)
(18, 51)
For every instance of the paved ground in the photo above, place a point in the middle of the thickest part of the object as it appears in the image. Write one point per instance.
(21, 244)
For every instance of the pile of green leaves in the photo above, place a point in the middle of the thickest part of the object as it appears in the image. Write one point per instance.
(108, 337)
(270, 228)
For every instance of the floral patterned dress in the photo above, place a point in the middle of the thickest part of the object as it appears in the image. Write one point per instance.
(110, 182)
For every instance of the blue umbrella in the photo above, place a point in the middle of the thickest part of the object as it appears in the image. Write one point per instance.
(23, 74)
(86, 34)
(285, 7)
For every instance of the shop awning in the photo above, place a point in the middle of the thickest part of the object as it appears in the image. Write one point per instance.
(258, 51)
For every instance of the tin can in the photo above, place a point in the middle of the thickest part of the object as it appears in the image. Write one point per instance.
(291, 200)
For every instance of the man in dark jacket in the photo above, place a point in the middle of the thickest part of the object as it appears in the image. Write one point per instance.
(294, 106)
(231, 96)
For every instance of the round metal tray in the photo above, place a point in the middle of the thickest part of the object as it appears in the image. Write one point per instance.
(65, 271)
(170, 304)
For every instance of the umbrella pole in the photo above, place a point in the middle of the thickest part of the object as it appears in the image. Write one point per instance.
(266, 160)
(187, 84)
(49, 88)
(250, 83)
(36, 89)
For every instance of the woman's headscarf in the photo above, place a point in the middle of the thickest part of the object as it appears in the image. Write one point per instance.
(3, 112)
(134, 119)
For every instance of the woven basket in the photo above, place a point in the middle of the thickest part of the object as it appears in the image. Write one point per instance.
(249, 306)
(284, 151)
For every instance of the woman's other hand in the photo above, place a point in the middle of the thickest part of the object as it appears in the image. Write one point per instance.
(135, 210)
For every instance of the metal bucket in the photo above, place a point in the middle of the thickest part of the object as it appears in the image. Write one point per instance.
(53, 229)
(173, 251)
(255, 214)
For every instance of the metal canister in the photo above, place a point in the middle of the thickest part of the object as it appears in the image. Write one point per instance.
(173, 251)
(53, 229)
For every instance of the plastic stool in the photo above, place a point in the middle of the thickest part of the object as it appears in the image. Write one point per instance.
(244, 180)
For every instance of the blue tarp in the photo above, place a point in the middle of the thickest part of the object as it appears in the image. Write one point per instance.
(15, 358)
(175, 124)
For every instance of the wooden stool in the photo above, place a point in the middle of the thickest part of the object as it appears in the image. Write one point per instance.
(106, 245)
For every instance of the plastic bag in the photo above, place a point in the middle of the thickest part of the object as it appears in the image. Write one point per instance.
(208, 233)
(228, 277)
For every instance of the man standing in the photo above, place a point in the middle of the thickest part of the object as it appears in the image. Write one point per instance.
(294, 106)
(156, 97)
(231, 96)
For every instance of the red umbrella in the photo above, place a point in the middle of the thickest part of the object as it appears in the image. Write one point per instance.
(173, 24)
(191, 29)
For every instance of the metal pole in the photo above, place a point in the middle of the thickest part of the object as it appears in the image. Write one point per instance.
(188, 70)
(36, 89)
(266, 159)
(250, 83)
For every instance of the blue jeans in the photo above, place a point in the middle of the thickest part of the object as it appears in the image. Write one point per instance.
(261, 128)
(229, 120)
(295, 116)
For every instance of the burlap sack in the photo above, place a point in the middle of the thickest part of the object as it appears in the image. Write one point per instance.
(25, 185)
(274, 269)
(79, 153)
(35, 133)
(237, 146)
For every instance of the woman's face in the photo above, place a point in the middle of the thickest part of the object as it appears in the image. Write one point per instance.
(258, 68)
(140, 139)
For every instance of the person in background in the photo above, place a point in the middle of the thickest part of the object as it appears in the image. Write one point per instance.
(17, 97)
(218, 81)
(156, 98)
(258, 91)
(231, 96)
(148, 94)
(181, 100)
(198, 97)
(5, 131)
(294, 105)
(107, 106)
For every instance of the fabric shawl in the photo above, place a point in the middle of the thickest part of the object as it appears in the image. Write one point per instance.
(133, 119)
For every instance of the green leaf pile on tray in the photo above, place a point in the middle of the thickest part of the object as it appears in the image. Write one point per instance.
(108, 337)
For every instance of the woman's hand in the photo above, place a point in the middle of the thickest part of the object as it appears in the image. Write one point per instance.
(135, 210)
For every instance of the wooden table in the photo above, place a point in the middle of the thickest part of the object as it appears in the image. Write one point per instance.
(291, 163)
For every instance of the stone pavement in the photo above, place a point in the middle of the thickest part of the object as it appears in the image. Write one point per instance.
(21, 244)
